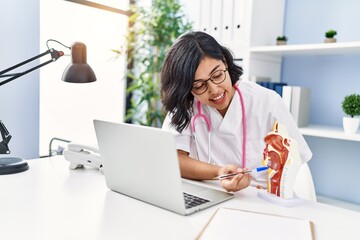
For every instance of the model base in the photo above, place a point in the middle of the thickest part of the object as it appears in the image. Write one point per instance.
(284, 202)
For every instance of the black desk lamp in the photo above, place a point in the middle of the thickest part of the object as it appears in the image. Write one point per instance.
(78, 71)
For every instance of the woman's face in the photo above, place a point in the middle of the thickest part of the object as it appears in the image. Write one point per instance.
(217, 95)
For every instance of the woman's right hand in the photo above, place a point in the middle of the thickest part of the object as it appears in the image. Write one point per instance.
(236, 183)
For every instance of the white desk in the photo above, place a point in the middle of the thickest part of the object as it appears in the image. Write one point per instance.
(49, 201)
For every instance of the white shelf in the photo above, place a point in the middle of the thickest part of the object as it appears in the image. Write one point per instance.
(343, 48)
(338, 203)
(329, 132)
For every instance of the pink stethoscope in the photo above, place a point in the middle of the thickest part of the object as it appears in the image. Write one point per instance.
(208, 125)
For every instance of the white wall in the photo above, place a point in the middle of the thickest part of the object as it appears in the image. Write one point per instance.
(19, 99)
(67, 110)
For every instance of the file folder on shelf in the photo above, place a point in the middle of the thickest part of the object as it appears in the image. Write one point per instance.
(297, 99)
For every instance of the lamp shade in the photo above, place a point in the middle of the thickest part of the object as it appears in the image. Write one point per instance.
(78, 71)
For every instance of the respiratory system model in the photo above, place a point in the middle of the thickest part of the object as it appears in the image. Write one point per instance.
(282, 156)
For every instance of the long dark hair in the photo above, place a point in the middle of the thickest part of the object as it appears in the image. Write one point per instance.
(178, 71)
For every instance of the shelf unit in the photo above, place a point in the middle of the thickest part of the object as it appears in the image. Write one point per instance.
(265, 61)
(329, 132)
(345, 48)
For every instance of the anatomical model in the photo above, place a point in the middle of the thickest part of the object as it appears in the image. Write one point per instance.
(282, 155)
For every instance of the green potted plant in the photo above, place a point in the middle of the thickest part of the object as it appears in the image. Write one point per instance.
(281, 40)
(351, 107)
(152, 30)
(329, 36)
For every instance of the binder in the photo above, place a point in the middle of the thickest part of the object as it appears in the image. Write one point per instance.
(205, 16)
(238, 26)
(300, 105)
(297, 100)
(227, 21)
(216, 19)
(286, 96)
(278, 87)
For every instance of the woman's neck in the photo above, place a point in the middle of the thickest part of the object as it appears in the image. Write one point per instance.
(231, 96)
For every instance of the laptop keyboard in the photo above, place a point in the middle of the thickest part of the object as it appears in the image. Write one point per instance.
(193, 201)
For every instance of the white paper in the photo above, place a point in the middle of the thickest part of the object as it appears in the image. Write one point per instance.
(238, 224)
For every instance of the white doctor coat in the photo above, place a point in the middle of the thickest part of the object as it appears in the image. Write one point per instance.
(262, 108)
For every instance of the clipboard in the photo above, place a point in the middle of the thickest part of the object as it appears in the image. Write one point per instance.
(228, 223)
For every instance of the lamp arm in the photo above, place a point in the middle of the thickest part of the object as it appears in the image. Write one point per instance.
(4, 149)
(54, 56)
(6, 137)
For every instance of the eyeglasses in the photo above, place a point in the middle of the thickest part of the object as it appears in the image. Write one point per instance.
(217, 77)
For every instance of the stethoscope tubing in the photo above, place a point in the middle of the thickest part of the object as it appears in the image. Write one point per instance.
(208, 126)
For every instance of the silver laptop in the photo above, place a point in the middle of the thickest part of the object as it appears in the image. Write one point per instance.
(141, 162)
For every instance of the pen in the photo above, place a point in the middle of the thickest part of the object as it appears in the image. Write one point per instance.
(258, 169)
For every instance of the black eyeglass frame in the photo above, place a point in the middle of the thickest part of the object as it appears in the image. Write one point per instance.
(204, 82)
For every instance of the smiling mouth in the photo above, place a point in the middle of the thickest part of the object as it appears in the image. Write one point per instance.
(218, 98)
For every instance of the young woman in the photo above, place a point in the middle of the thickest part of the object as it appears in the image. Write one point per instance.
(219, 121)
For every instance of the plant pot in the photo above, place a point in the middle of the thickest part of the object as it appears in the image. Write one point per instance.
(330, 40)
(351, 125)
(280, 42)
